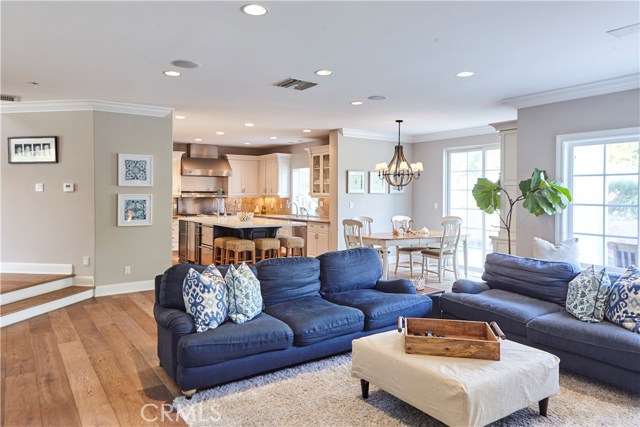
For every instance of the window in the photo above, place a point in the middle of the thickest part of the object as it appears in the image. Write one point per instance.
(464, 167)
(601, 169)
(300, 181)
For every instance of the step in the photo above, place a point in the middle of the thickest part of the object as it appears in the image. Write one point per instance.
(40, 304)
(15, 287)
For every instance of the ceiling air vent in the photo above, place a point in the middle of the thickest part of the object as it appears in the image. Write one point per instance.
(10, 98)
(295, 84)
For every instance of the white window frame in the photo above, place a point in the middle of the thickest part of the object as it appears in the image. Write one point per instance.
(564, 167)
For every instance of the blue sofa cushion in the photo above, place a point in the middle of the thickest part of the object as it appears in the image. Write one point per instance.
(314, 319)
(544, 280)
(286, 279)
(170, 292)
(624, 301)
(605, 341)
(381, 309)
(205, 298)
(231, 341)
(510, 310)
(348, 270)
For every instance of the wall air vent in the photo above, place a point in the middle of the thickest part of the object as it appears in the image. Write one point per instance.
(9, 98)
(295, 84)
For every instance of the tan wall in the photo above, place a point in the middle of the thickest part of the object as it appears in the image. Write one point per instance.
(51, 226)
(146, 249)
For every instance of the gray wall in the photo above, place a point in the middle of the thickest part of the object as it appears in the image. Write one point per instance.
(146, 249)
(537, 131)
(51, 227)
(429, 189)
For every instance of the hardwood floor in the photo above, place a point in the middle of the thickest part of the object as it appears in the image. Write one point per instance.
(91, 363)
(10, 282)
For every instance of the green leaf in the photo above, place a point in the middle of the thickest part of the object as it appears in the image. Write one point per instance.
(525, 186)
(487, 195)
(565, 191)
(537, 177)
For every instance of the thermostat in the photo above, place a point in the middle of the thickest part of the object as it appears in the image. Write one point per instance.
(68, 187)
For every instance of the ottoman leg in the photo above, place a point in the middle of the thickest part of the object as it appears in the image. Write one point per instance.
(543, 405)
(364, 385)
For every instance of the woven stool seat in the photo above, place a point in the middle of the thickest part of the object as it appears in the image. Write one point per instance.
(237, 249)
(269, 247)
(290, 243)
(219, 248)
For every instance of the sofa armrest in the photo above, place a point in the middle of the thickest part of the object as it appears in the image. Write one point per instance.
(395, 286)
(466, 286)
(173, 324)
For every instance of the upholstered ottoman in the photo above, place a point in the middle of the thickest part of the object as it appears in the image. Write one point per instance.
(457, 391)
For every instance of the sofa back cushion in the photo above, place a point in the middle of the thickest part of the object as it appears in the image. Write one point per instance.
(170, 293)
(349, 270)
(544, 280)
(286, 279)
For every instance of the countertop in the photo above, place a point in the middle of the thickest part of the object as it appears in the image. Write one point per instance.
(233, 221)
(304, 218)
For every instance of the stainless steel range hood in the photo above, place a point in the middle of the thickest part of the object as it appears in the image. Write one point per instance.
(202, 160)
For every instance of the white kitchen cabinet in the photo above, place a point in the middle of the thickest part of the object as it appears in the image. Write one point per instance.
(175, 234)
(317, 238)
(176, 177)
(243, 181)
(274, 175)
(320, 170)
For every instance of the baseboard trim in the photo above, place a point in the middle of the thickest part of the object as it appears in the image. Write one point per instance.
(35, 268)
(124, 288)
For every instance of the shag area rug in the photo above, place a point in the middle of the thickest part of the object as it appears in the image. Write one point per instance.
(323, 393)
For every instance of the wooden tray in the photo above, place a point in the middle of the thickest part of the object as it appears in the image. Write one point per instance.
(452, 338)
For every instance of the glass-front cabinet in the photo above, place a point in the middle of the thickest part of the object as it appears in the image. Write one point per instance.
(320, 171)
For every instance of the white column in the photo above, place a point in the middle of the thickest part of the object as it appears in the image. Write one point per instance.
(509, 179)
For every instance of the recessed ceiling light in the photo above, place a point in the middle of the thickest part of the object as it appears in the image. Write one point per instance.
(183, 63)
(273, 137)
(249, 125)
(254, 9)
(324, 72)
(219, 133)
(171, 73)
(198, 139)
(247, 143)
(464, 74)
(377, 98)
(306, 130)
(356, 102)
(181, 117)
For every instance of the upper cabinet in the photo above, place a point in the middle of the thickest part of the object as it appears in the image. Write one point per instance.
(176, 177)
(243, 181)
(320, 171)
(274, 173)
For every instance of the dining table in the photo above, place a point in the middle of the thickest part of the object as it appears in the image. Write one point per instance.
(389, 239)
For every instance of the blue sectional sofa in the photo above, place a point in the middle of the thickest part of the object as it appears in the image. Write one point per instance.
(313, 308)
(526, 297)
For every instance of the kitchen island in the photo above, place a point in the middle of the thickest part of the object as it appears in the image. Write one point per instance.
(196, 233)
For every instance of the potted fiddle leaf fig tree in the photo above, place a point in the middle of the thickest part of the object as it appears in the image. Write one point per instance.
(538, 195)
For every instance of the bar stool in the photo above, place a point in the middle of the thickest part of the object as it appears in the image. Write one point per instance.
(236, 251)
(269, 247)
(219, 249)
(291, 243)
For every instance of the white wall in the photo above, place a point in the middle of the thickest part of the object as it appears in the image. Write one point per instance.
(537, 130)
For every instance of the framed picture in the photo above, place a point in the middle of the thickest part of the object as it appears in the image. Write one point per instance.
(33, 149)
(355, 181)
(377, 185)
(135, 170)
(396, 190)
(134, 209)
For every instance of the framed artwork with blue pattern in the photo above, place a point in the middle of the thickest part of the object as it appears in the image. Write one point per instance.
(135, 170)
(134, 209)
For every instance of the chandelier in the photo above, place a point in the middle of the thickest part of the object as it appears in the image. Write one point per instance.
(399, 172)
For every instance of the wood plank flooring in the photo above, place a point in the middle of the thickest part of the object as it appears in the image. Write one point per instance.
(91, 363)
(10, 282)
(42, 299)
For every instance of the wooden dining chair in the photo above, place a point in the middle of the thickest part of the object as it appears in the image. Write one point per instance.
(353, 230)
(366, 222)
(403, 222)
(447, 250)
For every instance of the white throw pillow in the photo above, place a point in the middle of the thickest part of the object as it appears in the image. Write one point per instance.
(566, 251)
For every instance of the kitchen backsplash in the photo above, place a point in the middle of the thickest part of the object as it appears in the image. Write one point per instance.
(273, 205)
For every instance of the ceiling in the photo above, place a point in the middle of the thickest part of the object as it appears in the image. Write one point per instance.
(408, 52)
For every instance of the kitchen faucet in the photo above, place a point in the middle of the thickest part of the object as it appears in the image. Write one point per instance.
(292, 203)
(217, 201)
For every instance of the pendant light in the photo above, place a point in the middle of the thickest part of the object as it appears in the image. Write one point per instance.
(399, 172)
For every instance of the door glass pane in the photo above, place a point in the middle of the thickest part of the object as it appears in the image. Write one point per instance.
(587, 219)
(588, 159)
(622, 221)
(458, 161)
(622, 157)
(622, 190)
(591, 249)
(492, 160)
(588, 189)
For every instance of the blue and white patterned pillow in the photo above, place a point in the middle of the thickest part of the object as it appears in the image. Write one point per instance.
(205, 298)
(624, 302)
(588, 295)
(243, 294)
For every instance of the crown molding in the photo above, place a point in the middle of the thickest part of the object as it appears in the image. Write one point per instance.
(84, 105)
(458, 133)
(602, 87)
(364, 134)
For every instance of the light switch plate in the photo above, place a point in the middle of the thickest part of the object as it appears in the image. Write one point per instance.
(68, 187)
(39, 186)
